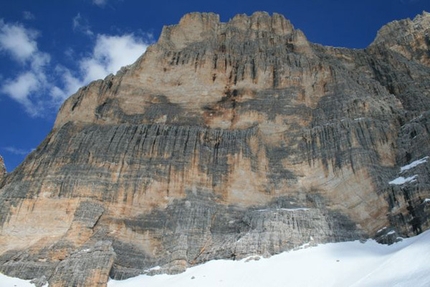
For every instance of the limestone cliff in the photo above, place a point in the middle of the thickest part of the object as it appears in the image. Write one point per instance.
(2, 169)
(225, 140)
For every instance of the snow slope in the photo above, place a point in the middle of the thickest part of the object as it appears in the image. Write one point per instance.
(401, 180)
(354, 264)
(414, 164)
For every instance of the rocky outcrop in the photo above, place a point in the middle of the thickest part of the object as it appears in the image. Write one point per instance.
(2, 169)
(409, 38)
(222, 141)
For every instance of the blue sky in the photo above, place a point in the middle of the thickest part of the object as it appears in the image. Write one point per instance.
(49, 48)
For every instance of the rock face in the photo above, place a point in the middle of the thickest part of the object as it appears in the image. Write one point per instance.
(222, 141)
(2, 169)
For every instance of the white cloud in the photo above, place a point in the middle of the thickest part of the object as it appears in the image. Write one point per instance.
(81, 24)
(27, 15)
(69, 84)
(100, 3)
(21, 86)
(110, 54)
(39, 60)
(17, 151)
(40, 86)
(18, 41)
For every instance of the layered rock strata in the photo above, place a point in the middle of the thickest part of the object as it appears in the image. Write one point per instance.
(225, 140)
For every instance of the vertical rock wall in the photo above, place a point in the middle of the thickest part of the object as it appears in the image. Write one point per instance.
(225, 140)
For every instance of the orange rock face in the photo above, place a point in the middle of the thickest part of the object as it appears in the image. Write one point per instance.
(224, 140)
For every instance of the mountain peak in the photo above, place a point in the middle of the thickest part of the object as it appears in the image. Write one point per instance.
(197, 27)
(195, 64)
(410, 38)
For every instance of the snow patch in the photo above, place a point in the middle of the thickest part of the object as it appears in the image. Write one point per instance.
(285, 209)
(295, 209)
(401, 180)
(10, 281)
(382, 229)
(427, 200)
(153, 269)
(414, 164)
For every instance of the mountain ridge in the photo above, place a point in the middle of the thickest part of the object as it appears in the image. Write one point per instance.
(225, 140)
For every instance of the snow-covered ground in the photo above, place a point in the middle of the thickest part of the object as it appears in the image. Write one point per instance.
(6, 281)
(414, 164)
(402, 180)
(354, 264)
